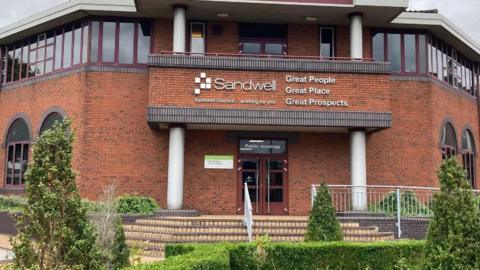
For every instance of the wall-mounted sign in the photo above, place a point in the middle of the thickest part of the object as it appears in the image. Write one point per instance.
(314, 90)
(218, 162)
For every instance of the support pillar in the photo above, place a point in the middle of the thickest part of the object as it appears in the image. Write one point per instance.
(179, 28)
(358, 169)
(356, 35)
(176, 160)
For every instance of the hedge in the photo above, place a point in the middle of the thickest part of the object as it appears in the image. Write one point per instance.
(278, 256)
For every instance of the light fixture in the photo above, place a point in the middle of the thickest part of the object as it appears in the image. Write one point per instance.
(223, 15)
(311, 19)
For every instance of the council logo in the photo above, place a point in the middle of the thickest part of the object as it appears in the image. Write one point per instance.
(202, 83)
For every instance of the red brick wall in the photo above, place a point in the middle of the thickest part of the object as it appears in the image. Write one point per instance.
(227, 41)
(303, 39)
(113, 140)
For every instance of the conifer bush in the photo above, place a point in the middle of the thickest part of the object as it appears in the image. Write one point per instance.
(453, 239)
(53, 232)
(322, 223)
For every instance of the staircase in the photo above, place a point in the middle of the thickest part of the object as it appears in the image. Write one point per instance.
(151, 234)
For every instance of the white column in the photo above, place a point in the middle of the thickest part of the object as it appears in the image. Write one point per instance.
(179, 28)
(356, 35)
(176, 159)
(358, 169)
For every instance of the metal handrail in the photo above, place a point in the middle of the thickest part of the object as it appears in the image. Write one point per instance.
(248, 213)
(396, 201)
(276, 56)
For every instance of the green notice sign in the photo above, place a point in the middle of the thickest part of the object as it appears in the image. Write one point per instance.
(218, 162)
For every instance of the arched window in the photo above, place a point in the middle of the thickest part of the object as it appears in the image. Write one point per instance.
(49, 121)
(18, 146)
(468, 156)
(449, 142)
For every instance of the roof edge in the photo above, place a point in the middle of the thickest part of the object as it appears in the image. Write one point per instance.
(437, 19)
(64, 9)
(382, 3)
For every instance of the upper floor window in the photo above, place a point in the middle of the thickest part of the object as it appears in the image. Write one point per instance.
(18, 144)
(263, 39)
(468, 156)
(448, 141)
(197, 37)
(71, 45)
(327, 43)
(406, 52)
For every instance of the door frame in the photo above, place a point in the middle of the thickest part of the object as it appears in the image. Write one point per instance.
(283, 156)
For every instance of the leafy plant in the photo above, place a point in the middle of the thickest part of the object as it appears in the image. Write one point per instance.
(130, 204)
(322, 223)
(53, 231)
(409, 205)
(453, 238)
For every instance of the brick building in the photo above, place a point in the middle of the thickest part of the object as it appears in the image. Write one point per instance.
(186, 101)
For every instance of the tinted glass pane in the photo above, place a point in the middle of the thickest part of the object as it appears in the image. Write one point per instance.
(85, 44)
(276, 179)
(10, 61)
(48, 66)
(379, 47)
(16, 64)
(108, 42)
(326, 45)
(253, 194)
(25, 54)
(439, 64)
(276, 195)
(410, 53)
(394, 52)
(58, 51)
(94, 42)
(262, 30)
(448, 136)
(41, 54)
(249, 164)
(40, 68)
(125, 50)
(67, 49)
(252, 48)
(249, 177)
(18, 132)
(77, 46)
(49, 52)
(467, 141)
(273, 48)
(10, 164)
(197, 40)
(143, 42)
(422, 54)
(50, 120)
(41, 40)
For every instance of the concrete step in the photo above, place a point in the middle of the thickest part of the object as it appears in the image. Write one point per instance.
(237, 229)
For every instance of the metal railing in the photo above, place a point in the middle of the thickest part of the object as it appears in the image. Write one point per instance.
(380, 200)
(248, 214)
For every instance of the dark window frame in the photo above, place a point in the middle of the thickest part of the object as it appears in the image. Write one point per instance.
(23, 153)
(61, 30)
(334, 44)
(448, 151)
(468, 159)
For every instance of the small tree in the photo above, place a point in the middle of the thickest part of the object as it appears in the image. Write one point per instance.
(53, 231)
(453, 240)
(108, 225)
(322, 223)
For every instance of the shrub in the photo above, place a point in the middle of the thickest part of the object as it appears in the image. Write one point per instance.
(322, 223)
(11, 203)
(194, 257)
(409, 203)
(130, 204)
(53, 231)
(453, 238)
(291, 256)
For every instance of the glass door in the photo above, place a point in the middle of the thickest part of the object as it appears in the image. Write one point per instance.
(266, 176)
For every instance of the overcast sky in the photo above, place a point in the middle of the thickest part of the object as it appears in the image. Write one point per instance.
(464, 13)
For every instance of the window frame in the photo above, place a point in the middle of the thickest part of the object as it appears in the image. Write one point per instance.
(334, 48)
(448, 151)
(205, 30)
(469, 155)
(14, 144)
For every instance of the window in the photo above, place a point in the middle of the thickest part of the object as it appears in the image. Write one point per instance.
(394, 52)
(468, 156)
(448, 141)
(379, 47)
(18, 144)
(263, 39)
(125, 42)
(50, 120)
(125, 46)
(410, 53)
(197, 37)
(327, 44)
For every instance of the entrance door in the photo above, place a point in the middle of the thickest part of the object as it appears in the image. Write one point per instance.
(263, 165)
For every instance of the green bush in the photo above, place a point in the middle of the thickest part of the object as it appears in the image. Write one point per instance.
(322, 223)
(409, 203)
(191, 257)
(291, 256)
(453, 238)
(11, 203)
(141, 205)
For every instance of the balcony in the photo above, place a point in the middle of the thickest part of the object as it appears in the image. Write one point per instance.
(268, 63)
